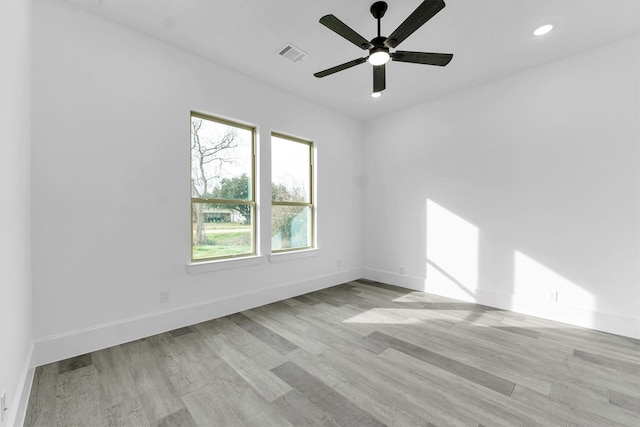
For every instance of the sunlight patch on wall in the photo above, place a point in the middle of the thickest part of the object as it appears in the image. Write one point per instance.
(533, 280)
(452, 251)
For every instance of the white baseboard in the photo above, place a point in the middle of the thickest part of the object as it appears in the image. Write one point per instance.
(81, 341)
(18, 411)
(607, 322)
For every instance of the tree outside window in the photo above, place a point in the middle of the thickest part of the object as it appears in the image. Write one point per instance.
(222, 188)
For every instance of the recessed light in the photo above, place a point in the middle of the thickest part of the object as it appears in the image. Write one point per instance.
(376, 94)
(540, 31)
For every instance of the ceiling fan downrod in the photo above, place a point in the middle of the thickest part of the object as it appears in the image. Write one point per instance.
(377, 10)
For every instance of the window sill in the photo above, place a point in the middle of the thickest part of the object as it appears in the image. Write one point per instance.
(223, 264)
(289, 256)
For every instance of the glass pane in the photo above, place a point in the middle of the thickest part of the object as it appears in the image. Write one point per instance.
(221, 230)
(221, 160)
(290, 170)
(290, 227)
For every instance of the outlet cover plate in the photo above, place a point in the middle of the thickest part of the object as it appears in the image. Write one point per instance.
(164, 297)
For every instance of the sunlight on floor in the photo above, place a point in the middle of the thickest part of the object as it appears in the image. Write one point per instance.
(383, 316)
(413, 316)
(410, 297)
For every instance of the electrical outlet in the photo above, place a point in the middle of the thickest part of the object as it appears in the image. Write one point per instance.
(3, 406)
(552, 296)
(401, 270)
(164, 297)
(339, 263)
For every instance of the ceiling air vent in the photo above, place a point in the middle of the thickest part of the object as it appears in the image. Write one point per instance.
(292, 53)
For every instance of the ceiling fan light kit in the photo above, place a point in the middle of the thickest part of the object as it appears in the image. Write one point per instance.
(379, 56)
(379, 47)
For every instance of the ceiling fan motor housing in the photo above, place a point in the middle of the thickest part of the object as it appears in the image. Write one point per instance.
(378, 42)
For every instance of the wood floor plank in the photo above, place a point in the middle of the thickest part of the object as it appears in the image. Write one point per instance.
(624, 401)
(592, 400)
(368, 395)
(289, 332)
(253, 410)
(119, 401)
(73, 363)
(207, 408)
(620, 364)
(343, 336)
(338, 406)
(125, 414)
(306, 300)
(76, 397)
(530, 333)
(557, 411)
(483, 378)
(511, 365)
(42, 401)
(266, 335)
(300, 412)
(245, 402)
(489, 408)
(253, 347)
(399, 390)
(362, 353)
(192, 366)
(180, 418)
(510, 343)
(341, 318)
(263, 381)
(580, 372)
(158, 397)
(116, 385)
(582, 338)
(484, 406)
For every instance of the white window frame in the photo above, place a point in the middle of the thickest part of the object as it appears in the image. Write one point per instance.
(310, 204)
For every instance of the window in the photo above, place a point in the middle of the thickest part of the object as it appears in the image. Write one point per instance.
(291, 193)
(223, 206)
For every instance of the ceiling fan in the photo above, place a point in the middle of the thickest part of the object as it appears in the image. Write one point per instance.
(379, 47)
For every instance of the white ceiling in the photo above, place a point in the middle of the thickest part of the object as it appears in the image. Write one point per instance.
(489, 39)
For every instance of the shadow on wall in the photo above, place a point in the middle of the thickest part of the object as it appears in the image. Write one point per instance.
(453, 266)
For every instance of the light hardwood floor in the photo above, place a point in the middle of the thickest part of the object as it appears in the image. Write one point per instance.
(358, 354)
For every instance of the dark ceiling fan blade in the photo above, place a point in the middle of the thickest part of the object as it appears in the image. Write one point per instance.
(440, 59)
(340, 67)
(379, 80)
(342, 29)
(422, 14)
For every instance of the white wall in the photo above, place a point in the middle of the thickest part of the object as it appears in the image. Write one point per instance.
(500, 195)
(15, 220)
(111, 185)
(511, 191)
